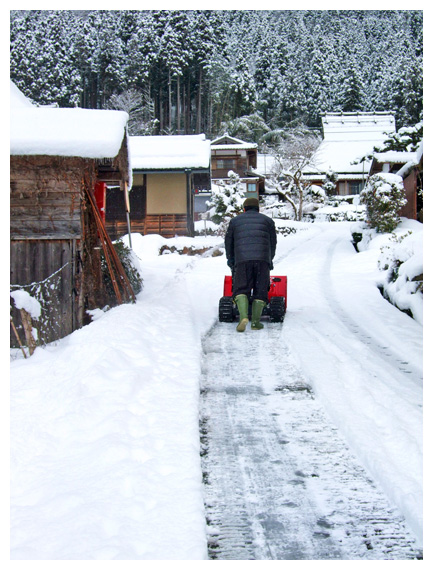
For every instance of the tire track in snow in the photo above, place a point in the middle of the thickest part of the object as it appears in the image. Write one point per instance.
(393, 361)
(279, 481)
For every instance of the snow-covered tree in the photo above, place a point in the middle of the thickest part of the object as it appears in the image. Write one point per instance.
(226, 201)
(384, 197)
(42, 59)
(406, 139)
(203, 67)
(318, 101)
(138, 107)
(352, 93)
(292, 157)
(250, 128)
(330, 184)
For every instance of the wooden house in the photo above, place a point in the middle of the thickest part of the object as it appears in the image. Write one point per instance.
(231, 154)
(57, 159)
(408, 165)
(347, 137)
(168, 172)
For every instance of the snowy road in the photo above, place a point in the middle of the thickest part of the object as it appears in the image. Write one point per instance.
(311, 429)
(281, 478)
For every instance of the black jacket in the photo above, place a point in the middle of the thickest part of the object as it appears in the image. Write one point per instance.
(251, 236)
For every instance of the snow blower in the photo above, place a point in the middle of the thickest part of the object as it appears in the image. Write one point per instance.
(275, 310)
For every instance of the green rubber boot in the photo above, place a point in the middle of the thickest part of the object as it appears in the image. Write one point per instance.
(256, 313)
(242, 304)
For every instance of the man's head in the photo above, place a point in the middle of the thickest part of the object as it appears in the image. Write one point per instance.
(251, 204)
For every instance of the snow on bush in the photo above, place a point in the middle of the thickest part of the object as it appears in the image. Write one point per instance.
(330, 185)
(25, 301)
(402, 262)
(340, 210)
(226, 200)
(384, 197)
(272, 207)
(400, 259)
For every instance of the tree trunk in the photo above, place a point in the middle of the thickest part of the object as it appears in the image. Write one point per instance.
(161, 112)
(291, 202)
(198, 121)
(188, 108)
(301, 202)
(178, 105)
(184, 109)
(169, 101)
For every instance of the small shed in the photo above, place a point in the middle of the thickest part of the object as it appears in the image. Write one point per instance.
(168, 173)
(58, 159)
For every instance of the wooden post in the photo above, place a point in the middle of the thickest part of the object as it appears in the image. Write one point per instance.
(111, 255)
(128, 209)
(27, 324)
(18, 338)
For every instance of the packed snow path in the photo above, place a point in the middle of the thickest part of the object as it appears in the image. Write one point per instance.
(280, 479)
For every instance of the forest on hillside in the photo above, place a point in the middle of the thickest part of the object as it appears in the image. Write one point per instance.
(250, 73)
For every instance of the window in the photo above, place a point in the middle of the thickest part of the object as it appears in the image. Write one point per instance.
(356, 187)
(251, 190)
(225, 163)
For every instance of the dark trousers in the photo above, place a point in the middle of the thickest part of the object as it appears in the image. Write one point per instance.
(252, 278)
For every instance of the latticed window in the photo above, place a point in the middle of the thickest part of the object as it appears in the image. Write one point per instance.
(225, 163)
(356, 187)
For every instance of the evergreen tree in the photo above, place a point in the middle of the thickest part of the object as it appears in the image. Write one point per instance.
(352, 95)
(319, 88)
(42, 61)
(199, 68)
(384, 197)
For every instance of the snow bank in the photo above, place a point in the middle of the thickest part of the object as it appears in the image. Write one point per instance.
(105, 456)
(340, 211)
(400, 259)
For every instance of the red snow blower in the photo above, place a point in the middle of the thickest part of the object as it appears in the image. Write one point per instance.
(275, 309)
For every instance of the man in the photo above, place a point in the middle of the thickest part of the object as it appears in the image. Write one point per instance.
(250, 244)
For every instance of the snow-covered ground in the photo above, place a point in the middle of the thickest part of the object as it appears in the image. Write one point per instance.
(105, 447)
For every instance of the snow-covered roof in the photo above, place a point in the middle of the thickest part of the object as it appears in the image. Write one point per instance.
(17, 99)
(343, 176)
(395, 156)
(227, 142)
(407, 159)
(167, 152)
(342, 126)
(86, 133)
(348, 137)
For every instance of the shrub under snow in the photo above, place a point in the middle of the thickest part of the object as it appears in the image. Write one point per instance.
(403, 262)
(400, 259)
(384, 197)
